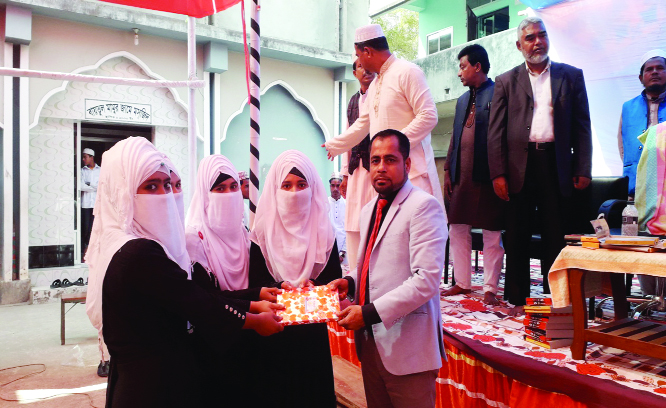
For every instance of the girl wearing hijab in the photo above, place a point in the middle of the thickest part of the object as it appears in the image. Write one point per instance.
(139, 285)
(176, 187)
(293, 244)
(219, 248)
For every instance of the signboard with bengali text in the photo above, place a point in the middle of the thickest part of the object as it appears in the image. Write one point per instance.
(118, 111)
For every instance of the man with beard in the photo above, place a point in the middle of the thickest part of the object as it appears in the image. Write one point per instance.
(638, 114)
(396, 312)
(539, 150)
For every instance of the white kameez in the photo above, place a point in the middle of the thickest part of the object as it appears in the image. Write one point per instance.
(336, 213)
(399, 98)
(359, 185)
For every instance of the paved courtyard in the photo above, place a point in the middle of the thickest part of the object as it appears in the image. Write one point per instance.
(30, 334)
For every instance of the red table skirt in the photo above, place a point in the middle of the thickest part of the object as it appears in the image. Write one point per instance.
(464, 381)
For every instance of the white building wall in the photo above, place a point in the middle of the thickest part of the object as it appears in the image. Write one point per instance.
(309, 22)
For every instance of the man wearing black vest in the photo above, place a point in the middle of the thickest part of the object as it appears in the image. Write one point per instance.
(355, 168)
(472, 203)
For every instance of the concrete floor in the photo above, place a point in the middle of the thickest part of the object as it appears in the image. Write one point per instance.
(30, 334)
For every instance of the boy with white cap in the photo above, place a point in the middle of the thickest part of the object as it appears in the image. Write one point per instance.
(638, 114)
(399, 98)
(88, 186)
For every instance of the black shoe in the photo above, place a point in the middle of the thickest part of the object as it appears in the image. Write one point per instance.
(103, 368)
(79, 282)
(66, 283)
(56, 284)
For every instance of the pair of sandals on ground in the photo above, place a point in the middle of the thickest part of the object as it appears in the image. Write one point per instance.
(65, 283)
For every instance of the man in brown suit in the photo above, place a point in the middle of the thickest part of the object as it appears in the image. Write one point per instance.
(539, 150)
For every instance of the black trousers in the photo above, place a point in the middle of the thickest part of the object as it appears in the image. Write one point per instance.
(87, 219)
(541, 191)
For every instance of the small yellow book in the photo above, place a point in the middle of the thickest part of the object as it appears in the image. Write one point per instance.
(630, 240)
(553, 344)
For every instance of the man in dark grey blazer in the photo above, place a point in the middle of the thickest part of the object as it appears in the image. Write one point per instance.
(539, 150)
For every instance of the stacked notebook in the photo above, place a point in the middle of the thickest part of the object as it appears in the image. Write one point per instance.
(547, 326)
(621, 242)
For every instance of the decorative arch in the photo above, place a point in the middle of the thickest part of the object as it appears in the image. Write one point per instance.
(294, 95)
(124, 54)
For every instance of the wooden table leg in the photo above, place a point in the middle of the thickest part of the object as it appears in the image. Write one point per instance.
(576, 282)
(62, 322)
(620, 303)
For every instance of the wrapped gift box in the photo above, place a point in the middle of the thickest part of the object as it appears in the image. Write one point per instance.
(317, 304)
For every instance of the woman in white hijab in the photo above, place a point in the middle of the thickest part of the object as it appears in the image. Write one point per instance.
(139, 282)
(293, 244)
(219, 248)
(176, 187)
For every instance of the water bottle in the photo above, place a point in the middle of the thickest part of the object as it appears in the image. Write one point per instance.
(630, 220)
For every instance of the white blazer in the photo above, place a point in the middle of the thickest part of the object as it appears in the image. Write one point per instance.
(405, 272)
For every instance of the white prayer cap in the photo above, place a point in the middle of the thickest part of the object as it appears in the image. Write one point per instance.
(335, 176)
(242, 175)
(652, 54)
(88, 151)
(368, 32)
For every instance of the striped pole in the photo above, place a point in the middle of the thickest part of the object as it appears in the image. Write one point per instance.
(255, 94)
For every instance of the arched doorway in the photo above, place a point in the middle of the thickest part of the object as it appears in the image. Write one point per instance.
(58, 134)
(287, 122)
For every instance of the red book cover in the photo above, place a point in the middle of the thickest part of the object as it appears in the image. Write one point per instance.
(548, 335)
(540, 301)
(545, 324)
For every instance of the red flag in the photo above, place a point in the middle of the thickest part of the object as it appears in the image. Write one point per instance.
(192, 8)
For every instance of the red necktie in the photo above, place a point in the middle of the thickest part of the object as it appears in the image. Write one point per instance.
(366, 259)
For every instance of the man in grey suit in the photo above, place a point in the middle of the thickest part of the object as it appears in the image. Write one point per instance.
(396, 314)
(539, 150)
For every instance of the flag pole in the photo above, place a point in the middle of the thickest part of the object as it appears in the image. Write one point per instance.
(255, 95)
(191, 112)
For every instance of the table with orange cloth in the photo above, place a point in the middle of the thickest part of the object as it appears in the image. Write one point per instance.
(569, 277)
(465, 381)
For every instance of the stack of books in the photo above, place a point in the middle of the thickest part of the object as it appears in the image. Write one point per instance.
(547, 326)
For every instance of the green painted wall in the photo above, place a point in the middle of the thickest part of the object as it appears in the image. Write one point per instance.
(438, 14)
(285, 124)
(514, 7)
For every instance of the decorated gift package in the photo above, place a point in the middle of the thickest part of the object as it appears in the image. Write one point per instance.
(318, 304)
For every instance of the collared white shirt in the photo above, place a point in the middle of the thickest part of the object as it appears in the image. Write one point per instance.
(246, 213)
(336, 213)
(88, 185)
(541, 129)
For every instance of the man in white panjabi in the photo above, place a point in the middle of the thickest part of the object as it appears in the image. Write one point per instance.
(245, 190)
(399, 98)
(336, 213)
(355, 168)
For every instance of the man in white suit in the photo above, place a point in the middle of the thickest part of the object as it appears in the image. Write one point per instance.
(396, 314)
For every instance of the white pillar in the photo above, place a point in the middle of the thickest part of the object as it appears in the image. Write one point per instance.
(7, 171)
(191, 112)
